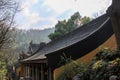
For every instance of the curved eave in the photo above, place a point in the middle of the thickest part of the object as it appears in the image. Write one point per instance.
(35, 61)
(41, 59)
(82, 47)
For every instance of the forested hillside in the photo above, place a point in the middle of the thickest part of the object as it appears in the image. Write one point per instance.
(24, 37)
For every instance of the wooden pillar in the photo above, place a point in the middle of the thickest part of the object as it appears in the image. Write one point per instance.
(36, 72)
(42, 72)
(39, 72)
(28, 71)
(32, 72)
(25, 71)
(50, 74)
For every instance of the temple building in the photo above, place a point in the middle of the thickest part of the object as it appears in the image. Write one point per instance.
(80, 44)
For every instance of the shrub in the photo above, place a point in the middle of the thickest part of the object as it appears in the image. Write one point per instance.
(70, 69)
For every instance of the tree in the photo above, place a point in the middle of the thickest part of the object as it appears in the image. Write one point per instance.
(85, 20)
(73, 22)
(60, 30)
(114, 13)
(8, 10)
(64, 27)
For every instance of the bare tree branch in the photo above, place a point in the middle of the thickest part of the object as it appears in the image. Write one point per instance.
(8, 9)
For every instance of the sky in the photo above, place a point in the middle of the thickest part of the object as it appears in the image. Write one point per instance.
(41, 14)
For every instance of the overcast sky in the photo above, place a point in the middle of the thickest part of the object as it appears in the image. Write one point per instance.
(41, 14)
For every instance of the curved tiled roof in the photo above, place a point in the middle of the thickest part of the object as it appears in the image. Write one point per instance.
(75, 39)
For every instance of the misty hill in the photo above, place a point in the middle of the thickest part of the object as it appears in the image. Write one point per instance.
(24, 37)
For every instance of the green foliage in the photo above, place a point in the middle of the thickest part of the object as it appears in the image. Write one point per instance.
(71, 22)
(105, 64)
(60, 30)
(64, 27)
(70, 69)
(85, 20)
(3, 70)
(7, 59)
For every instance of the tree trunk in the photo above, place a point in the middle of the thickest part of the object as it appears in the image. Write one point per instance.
(114, 13)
